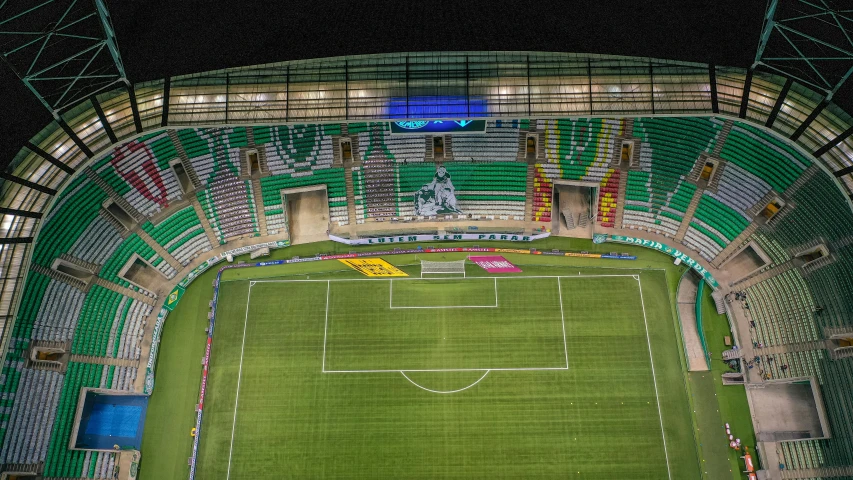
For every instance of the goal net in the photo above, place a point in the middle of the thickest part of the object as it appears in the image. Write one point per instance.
(433, 268)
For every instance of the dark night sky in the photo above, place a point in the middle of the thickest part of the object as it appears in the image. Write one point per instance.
(159, 38)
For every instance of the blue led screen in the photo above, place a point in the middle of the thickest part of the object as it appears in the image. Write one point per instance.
(438, 126)
(438, 107)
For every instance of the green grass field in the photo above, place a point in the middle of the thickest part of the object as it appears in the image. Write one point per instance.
(340, 379)
(325, 396)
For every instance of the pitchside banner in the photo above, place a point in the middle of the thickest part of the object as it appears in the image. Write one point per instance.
(662, 247)
(505, 237)
(495, 264)
(373, 267)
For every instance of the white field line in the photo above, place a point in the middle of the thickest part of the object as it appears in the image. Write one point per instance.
(563, 320)
(444, 391)
(403, 279)
(239, 377)
(521, 369)
(326, 324)
(438, 307)
(654, 378)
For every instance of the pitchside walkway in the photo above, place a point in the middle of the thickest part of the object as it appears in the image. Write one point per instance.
(687, 290)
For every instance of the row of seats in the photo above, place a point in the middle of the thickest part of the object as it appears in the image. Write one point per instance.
(499, 143)
(139, 171)
(60, 461)
(739, 189)
(771, 246)
(97, 243)
(783, 310)
(229, 206)
(713, 227)
(608, 196)
(336, 190)
(542, 195)
(57, 318)
(133, 244)
(110, 325)
(297, 148)
(75, 208)
(214, 151)
(30, 420)
(764, 156)
(181, 234)
(658, 195)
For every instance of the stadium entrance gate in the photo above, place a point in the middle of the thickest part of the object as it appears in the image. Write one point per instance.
(306, 212)
(576, 203)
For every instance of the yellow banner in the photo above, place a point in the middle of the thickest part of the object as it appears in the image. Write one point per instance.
(373, 267)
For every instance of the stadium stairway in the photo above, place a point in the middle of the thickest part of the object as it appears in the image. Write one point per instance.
(688, 215)
(61, 277)
(126, 292)
(211, 235)
(528, 202)
(350, 192)
(119, 362)
(258, 195)
(114, 196)
(123, 232)
(746, 282)
(166, 256)
(185, 160)
(724, 135)
(733, 247)
(619, 213)
(93, 267)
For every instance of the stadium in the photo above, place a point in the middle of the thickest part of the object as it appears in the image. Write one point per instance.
(430, 264)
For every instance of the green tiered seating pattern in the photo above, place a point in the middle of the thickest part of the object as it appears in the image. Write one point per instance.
(62, 462)
(271, 188)
(579, 149)
(182, 234)
(669, 150)
(821, 211)
(96, 320)
(19, 342)
(160, 147)
(297, 148)
(726, 222)
(213, 151)
(132, 244)
(366, 133)
(764, 156)
(782, 309)
(208, 204)
(74, 210)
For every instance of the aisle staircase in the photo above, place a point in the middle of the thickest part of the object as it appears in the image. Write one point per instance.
(211, 235)
(735, 245)
(122, 231)
(185, 160)
(528, 198)
(620, 203)
(167, 257)
(118, 362)
(60, 277)
(722, 137)
(126, 292)
(688, 215)
(115, 197)
(258, 195)
(350, 192)
(92, 267)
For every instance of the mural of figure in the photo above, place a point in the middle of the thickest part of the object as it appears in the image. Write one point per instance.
(438, 196)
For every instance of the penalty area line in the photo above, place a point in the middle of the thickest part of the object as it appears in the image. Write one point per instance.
(239, 378)
(654, 377)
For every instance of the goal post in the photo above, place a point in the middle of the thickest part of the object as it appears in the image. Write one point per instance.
(442, 268)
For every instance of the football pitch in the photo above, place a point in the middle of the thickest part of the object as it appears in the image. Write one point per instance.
(538, 375)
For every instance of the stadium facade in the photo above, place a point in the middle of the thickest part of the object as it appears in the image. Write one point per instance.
(524, 90)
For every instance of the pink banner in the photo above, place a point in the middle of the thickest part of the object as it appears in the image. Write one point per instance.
(495, 264)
